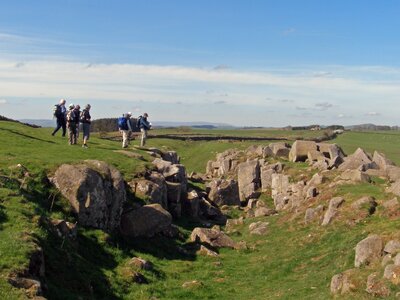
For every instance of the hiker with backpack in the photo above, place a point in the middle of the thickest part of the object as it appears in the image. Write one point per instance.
(144, 126)
(71, 124)
(85, 119)
(77, 113)
(60, 114)
(125, 127)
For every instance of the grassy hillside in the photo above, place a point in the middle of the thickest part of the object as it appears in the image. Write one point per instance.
(293, 261)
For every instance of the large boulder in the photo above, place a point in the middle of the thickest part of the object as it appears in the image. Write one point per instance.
(224, 192)
(395, 188)
(280, 149)
(174, 196)
(211, 237)
(355, 176)
(301, 149)
(393, 173)
(96, 192)
(359, 160)
(368, 250)
(342, 283)
(172, 173)
(266, 177)
(381, 160)
(145, 221)
(249, 180)
(313, 214)
(330, 150)
(190, 205)
(377, 287)
(151, 191)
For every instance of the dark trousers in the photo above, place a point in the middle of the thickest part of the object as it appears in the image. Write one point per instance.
(61, 123)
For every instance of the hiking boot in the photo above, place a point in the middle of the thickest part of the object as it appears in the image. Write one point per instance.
(85, 146)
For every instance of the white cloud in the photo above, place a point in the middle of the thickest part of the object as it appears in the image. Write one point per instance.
(3, 101)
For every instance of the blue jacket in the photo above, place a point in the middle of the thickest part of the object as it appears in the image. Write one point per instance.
(144, 123)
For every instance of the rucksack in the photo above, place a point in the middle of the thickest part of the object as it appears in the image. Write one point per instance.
(138, 120)
(123, 123)
(57, 111)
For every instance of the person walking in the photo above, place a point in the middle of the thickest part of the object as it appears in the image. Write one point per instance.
(60, 114)
(144, 126)
(125, 127)
(85, 119)
(77, 113)
(71, 125)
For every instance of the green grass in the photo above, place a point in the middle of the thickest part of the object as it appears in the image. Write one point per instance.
(293, 261)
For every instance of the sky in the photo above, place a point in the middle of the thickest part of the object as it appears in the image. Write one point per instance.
(240, 62)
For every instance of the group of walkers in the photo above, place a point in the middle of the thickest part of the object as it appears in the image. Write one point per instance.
(126, 127)
(72, 117)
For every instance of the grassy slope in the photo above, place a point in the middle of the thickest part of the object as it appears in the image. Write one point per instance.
(293, 261)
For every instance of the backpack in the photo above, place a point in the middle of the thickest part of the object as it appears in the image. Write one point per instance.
(57, 111)
(123, 123)
(138, 120)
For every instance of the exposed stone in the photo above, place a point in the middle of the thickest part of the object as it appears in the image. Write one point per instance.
(172, 173)
(249, 180)
(301, 149)
(280, 149)
(330, 150)
(355, 176)
(258, 228)
(224, 192)
(315, 155)
(171, 156)
(316, 180)
(335, 162)
(387, 259)
(63, 228)
(392, 273)
(266, 177)
(359, 160)
(145, 221)
(392, 204)
(32, 287)
(231, 223)
(381, 160)
(365, 202)
(311, 192)
(255, 150)
(392, 247)
(192, 284)
(252, 203)
(206, 252)
(280, 184)
(396, 259)
(267, 152)
(281, 201)
(140, 264)
(174, 196)
(313, 214)
(96, 192)
(154, 192)
(210, 212)
(395, 188)
(377, 287)
(190, 205)
(332, 211)
(342, 284)
(215, 239)
(393, 172)
(264, 212)
(368, 250)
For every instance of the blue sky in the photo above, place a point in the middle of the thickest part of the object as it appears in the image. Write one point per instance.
(261, 63)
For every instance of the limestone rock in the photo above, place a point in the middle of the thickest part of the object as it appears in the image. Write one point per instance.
(381, 160)
(392, 204)
(330, 150)
(393, 172)
(395, 188)
(96, 192)
(140, 264)
(397, 259)
(377, 287)
(359, 160)
(355, 176)
(192, 284)
(255, 150)
(211, 212)
(174, 196)
(264, 212)
(368, 250)
(224, 192)
(332, 211)
(190, 205)
(206, 252)
(215, 239)
(313, 214)
(392, 247)
(280, 149)
(301, 149)
(342, 284)
(154, 192)
(249, 180)
(365, 202)
(145, 221)
(258, 228)
(266, 177)
(63, 229)
(392, 273)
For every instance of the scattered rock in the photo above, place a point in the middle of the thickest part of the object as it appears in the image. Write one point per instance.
(342, 284)
(154, 192)
(392, 204)
(63, 228)
(145, 221)
(377, 287)
(280, 149)
(174, 196)
(140, 264)
(392, 247)
(332, 211)
(258, 228)
(301, 149)
(191, 205)
(395, 188)
(264, 212)
(215, 239)
(194, 284)
(381, 160)
(266, 177)
(387, 259)
(355, 176)
(392, 273)
(360, 160)
(365, 202)
(397, 259)
(206, 252)
(313, 214)
(368, 250)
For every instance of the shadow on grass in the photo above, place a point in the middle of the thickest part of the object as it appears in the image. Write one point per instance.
(27, 136)
(3, 216)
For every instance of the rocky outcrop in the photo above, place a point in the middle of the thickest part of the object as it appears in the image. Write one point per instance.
(151, 191)
(172, 173)
(355, 176)
(145, 221)
(342, 283)
(96, 192)
(224, 192)
(381, 161)
(301, 150)
(249, 180)
(376, 287)
(368, 250)
(359, 160)
(190, 205)
(280, 149)
(314, 214)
